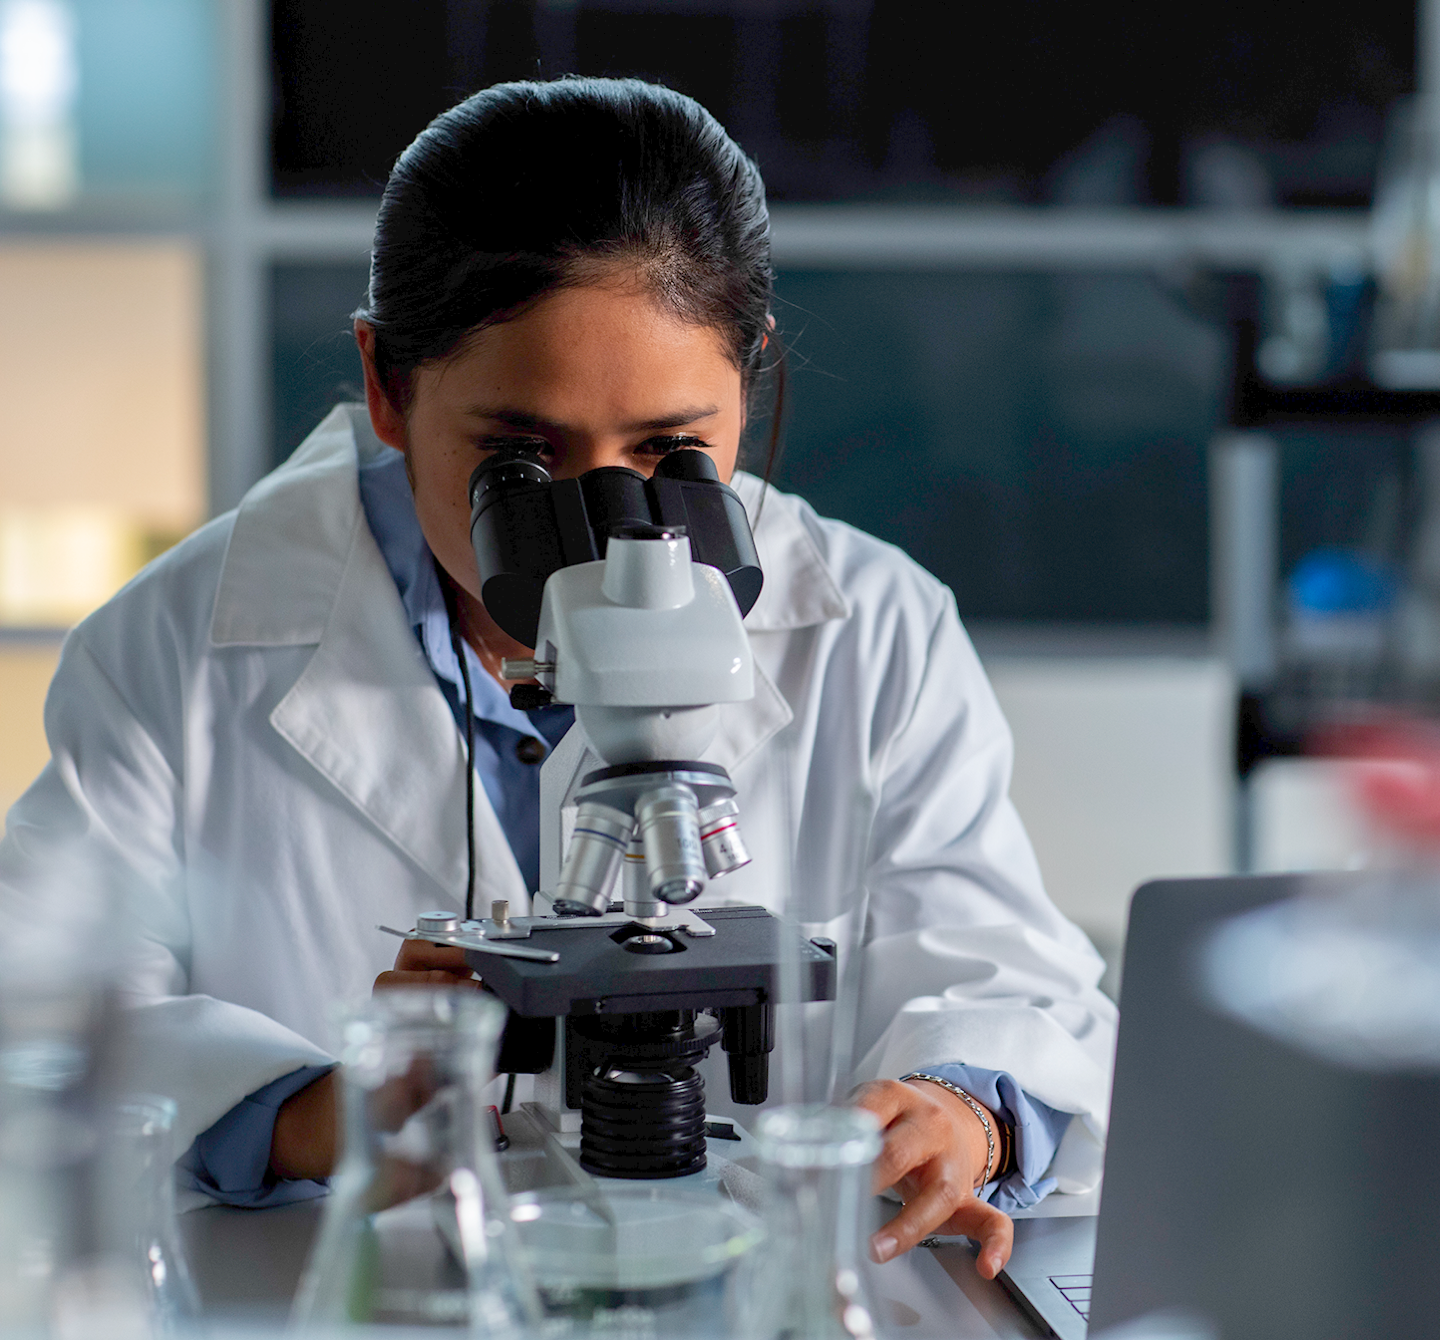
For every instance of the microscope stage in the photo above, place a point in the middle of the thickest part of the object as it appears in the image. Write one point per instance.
(596, 974)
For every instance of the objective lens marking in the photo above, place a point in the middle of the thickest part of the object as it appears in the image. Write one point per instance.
(595, 832)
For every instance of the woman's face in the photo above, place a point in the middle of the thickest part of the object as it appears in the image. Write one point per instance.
(590, 376)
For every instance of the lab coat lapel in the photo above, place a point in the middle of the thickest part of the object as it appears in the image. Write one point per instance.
(367, 714)
(746, 727)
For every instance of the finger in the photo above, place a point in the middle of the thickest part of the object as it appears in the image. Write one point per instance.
(942, 1189)
(910, 1142)
(886, 1098)
(417, 955)
(991, 1228)
(435, 977)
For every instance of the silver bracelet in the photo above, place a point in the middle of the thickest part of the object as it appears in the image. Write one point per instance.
(973, 1106)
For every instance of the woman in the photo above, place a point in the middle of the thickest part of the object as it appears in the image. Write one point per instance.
(266, 726)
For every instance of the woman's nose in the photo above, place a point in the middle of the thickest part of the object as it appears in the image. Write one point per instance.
(578, 458)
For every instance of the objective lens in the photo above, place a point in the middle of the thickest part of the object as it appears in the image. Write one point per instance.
(597, 847)
(721, 840)
(635, 882)
(669, 823)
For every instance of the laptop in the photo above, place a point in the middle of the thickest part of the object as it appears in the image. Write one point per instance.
(1257, 1187)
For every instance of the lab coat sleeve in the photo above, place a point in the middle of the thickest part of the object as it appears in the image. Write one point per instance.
(108, 804)
(967, 960)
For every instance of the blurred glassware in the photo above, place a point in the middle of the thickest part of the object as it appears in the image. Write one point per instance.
(1419, 616)
(1298, 343)
(1405, 242)
(647, 1260)
(140, 1200)
(1350, 976)
(88, 1244)
(1340, 608)
(811, 1281)
(51, 1035)
(417, 1228)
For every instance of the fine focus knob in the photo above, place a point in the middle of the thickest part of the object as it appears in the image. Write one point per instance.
(525, 667)
(446, 923)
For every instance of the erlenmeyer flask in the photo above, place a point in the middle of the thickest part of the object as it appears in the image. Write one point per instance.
(417, 1230)
(138, 1189)
(811, 1285)
(69, 1263)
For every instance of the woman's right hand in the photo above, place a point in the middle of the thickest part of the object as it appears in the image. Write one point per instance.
(420, 963)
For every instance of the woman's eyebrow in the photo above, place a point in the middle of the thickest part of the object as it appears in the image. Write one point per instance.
(533, 423)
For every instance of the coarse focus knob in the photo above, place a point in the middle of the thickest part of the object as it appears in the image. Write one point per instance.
(524, 697)
(445, 923)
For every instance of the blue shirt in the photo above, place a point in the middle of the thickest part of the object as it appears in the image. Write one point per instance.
(506, 759)
(231, 1160)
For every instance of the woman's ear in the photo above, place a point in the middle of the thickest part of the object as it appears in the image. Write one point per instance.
(385, 419)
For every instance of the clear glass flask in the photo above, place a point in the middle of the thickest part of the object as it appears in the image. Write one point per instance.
(417, 1229)
(139, 1199)
(88, 1240)
(640, 1259)
(811, 1285)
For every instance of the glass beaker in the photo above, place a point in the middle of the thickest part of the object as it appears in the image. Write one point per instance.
(811, 1284)
(417, 1229)
(636, 1260)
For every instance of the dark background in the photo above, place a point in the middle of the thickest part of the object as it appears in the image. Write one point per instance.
(1037, 440)
(905, 100)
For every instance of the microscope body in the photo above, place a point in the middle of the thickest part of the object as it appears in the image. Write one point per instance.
(644, 636)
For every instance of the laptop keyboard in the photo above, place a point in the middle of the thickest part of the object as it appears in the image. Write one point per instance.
(1076, 1291)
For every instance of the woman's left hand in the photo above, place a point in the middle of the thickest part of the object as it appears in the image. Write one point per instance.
(420, 963)
(935, 1153)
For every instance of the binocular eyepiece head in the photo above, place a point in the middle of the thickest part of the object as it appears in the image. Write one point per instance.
(524, 526)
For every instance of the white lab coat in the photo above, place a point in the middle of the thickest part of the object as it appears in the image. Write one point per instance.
(251, 729)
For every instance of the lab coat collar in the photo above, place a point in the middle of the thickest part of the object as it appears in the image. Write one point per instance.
(366, 712)
(800, 590)
(292, 540)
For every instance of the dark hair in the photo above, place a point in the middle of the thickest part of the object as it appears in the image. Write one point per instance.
(524, 188)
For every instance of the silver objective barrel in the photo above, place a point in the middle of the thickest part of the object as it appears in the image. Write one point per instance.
(669, 822)
(720, 838)
(597, 846)
(635, 883)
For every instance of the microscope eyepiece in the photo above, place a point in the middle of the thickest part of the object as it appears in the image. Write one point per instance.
(505, 468)
(525, 526)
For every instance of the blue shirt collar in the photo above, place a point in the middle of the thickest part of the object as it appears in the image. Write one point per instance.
(390, 509)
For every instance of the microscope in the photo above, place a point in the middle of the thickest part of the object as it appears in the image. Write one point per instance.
(632, 592)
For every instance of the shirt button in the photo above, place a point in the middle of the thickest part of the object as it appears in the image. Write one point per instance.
(530, 750)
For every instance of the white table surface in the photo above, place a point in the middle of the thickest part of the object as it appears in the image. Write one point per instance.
(247, 1264)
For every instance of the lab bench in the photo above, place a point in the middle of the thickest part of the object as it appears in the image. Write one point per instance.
(247, 1264)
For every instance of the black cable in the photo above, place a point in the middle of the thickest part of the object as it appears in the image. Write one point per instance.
(509, 1095)
(458, 648)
